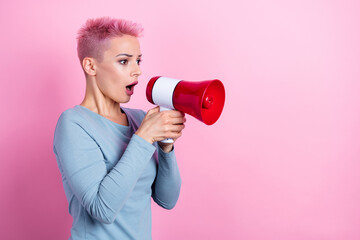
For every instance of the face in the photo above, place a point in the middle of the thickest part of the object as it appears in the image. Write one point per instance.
(118, 72)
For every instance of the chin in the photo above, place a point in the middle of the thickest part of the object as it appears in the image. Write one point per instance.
(126, 100)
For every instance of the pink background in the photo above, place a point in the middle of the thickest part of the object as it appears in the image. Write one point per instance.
(281, 163)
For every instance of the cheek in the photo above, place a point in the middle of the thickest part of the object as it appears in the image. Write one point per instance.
(111, 76)
(112, 83)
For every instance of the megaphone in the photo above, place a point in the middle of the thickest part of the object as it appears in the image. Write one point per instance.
(203, 100)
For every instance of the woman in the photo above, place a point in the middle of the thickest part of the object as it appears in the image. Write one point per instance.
(109, 156)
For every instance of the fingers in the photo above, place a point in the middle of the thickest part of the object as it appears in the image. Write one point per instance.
(158, 125)
(172, 130)
(172, 135)
(175, 128)
(175, 135)
(175, 113)
(178, 121)
(173, 117)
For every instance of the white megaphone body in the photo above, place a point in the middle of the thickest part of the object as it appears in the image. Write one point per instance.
(203, 100)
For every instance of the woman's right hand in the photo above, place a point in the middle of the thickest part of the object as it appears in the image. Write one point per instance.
(158, 126)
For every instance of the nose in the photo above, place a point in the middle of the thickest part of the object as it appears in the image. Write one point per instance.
(136, 71)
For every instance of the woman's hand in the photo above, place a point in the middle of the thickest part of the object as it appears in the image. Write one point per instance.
(158, 126)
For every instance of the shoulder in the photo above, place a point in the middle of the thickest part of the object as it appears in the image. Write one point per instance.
(71, 115)
(66, 126)
(72, 118)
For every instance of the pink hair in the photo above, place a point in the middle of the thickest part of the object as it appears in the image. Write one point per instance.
(93, 36)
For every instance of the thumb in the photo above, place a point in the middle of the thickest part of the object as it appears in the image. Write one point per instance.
(154, 110)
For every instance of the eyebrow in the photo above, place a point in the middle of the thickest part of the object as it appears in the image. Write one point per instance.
(127, 55)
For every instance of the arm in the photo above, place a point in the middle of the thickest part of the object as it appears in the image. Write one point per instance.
(166, 188)
(102, 194)
(157, 126)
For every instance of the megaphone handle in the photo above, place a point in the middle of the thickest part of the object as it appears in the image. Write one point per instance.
(168, 140)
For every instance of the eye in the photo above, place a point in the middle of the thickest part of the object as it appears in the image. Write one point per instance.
(123, 62)
(138, 61)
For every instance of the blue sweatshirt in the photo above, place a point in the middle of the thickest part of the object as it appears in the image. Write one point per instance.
(109, 175)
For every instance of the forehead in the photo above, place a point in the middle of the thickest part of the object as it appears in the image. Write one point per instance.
(125, 44)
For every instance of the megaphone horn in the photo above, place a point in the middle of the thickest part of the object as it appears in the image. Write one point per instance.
(203, 100)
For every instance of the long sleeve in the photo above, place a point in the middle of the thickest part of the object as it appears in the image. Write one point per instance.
(81, 162)
(166, 188)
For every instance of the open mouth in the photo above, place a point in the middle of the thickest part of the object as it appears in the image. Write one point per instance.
(131, 86)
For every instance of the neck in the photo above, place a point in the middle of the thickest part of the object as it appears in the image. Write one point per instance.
(97, 102)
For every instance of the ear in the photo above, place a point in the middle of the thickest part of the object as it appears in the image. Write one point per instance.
(89, 66)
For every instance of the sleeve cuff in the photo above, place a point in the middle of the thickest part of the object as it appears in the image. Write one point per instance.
(143, 143)
(167, 156)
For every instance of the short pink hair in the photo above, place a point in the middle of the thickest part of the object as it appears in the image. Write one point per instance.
(93, 37)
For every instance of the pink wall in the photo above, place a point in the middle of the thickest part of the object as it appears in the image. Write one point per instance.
(281, 163)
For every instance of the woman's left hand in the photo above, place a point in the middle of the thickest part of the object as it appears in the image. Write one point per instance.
(157, 126)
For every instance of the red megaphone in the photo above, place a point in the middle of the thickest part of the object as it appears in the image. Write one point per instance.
(203, 100)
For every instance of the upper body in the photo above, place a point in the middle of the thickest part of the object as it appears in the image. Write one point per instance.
(109, 175)
(109, 157)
